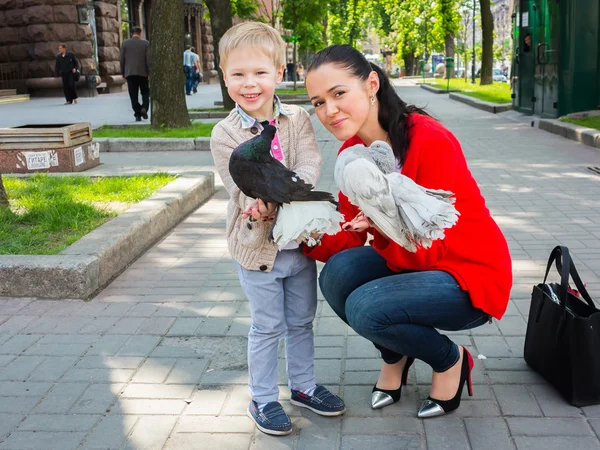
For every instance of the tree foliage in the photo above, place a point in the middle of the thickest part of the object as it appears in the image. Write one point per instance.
(220, 21)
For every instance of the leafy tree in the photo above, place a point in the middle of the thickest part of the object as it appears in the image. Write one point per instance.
(244, 8)
(169, 107)
(487, 33)
(269, 10)
(220, 21)
(3, 195)
(449, 23)
(347, 20)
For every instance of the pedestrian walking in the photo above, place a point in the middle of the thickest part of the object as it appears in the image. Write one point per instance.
(189, 63)
(197, 70)
(135, 67)
(66, 67)
(395, 298)
(290, 70)
(300, 71)
(281, 286)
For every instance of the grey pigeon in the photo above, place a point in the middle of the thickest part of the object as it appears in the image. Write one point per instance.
(409, 214)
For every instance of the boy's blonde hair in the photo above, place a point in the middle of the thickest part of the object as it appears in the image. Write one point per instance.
(255, 35)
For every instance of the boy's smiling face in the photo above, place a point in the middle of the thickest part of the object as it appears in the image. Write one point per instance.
(251, 77)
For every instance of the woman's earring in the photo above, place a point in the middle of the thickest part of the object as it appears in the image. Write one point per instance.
(373, 100)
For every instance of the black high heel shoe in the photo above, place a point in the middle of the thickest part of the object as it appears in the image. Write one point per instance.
(433, 407)
(380, 398)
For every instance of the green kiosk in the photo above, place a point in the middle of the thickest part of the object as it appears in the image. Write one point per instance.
(556, 56)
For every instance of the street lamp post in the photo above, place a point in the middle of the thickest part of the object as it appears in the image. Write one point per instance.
(473, 63)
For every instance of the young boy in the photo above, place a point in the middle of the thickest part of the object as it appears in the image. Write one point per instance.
(281, 286)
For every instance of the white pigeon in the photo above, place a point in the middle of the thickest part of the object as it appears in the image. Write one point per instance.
(297, 220)
(409, 214)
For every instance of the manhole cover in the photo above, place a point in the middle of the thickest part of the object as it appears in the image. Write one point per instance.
(594, 169)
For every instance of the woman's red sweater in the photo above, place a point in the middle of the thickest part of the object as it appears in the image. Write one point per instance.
(474, 251)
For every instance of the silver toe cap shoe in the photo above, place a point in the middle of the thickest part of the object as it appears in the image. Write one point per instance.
(430, 409)
(380, 400)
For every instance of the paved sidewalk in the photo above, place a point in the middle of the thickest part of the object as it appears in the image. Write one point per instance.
(157, 360)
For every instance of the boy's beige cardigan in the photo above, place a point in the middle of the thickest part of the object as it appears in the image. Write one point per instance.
(248, 242)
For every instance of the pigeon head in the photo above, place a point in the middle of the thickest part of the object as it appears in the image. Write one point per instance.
(268, 131)
(383, 155)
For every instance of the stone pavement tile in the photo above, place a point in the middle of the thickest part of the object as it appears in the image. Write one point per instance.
(381, 425)
(16, 324)
(18, 405)
(5, 360)
(512, 326)
(43, 440)
(262, 441)
(516, 344)
(58, 422)
(220, 377)
(158, 391)
(13, 306)
(110, 433)
(4, 337)
(17, 344)
(328, 371)
(21, 368)
(224, 309)
(197, 309)
(359, 347)
(61, 398)
(556, 443)
(187, 371)
(57, 349)
(330, 326)
(318, 433)
(239, 327)
(127, 325)
(107, 345)
(358, 402)
(402, 442)
(505, 364)
(53, 368)
(169, 310)
(97, 399)
(115, 309)
(596, 426)
(106, 375)
(446, 433)
(149, 406)
(552, 403)
(9, 422)
(206, 403)
(69, 339)
(154, 370)
(362, 364)
(23, 389)
(239, 399)
(139, 346)
(367, 378)
(487, 329)
(185, 326)
(477, 408)
(214, 326)
(150, 433)
(547, 426)
(211, 424)
(43, 325)
(492, 347)
(515, 377)
(37, 308)
(112, 362)
(179, 441)
(156, 326)
(164, 350)
(486, 432)
(142, 310)
(592, 411)
(516, 400)
(98, 325)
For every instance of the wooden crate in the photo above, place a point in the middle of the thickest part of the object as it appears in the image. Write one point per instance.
(43, 137)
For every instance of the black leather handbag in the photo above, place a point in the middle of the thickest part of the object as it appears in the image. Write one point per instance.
(76, 75)
(563, 334)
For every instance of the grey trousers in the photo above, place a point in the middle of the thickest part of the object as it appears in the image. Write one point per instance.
(283, 303)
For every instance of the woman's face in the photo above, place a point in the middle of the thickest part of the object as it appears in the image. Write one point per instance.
(341, 100)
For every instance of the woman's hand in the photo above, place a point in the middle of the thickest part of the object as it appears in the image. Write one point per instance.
(358, 224)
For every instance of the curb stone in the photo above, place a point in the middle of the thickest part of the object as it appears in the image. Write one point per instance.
(90, 263)
(435, 90)
(491, 107)
(584, 135)
(153, 144)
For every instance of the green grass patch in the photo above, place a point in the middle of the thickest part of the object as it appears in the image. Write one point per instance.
(495, 92)
(209, 110)
(590, 122)
(298, 91)
(133, 131)
(49, 213)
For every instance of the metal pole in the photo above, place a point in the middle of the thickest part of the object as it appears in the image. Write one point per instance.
(473, 64)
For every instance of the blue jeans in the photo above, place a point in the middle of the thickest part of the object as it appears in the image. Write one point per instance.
(189, 79)
(283, 303)
(399, 312)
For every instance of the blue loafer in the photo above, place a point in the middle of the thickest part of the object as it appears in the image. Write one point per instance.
(272, 419)
(321, 402)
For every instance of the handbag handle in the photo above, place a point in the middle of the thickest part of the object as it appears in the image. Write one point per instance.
(566, 267)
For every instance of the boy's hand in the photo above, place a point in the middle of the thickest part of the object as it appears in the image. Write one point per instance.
(358, 224)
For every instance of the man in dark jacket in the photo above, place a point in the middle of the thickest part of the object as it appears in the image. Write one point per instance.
(135, 67)
(65, 67)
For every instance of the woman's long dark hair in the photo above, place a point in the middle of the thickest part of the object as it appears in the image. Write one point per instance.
(393, 111)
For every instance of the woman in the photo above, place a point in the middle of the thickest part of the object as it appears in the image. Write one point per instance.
(397, 299)
(65, 67)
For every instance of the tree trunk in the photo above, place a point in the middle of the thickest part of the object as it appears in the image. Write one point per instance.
(167, 80)
(220, 22)
(487, 44)
(3, 195)
(409, 65)
(325, 23)
(449, 47)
